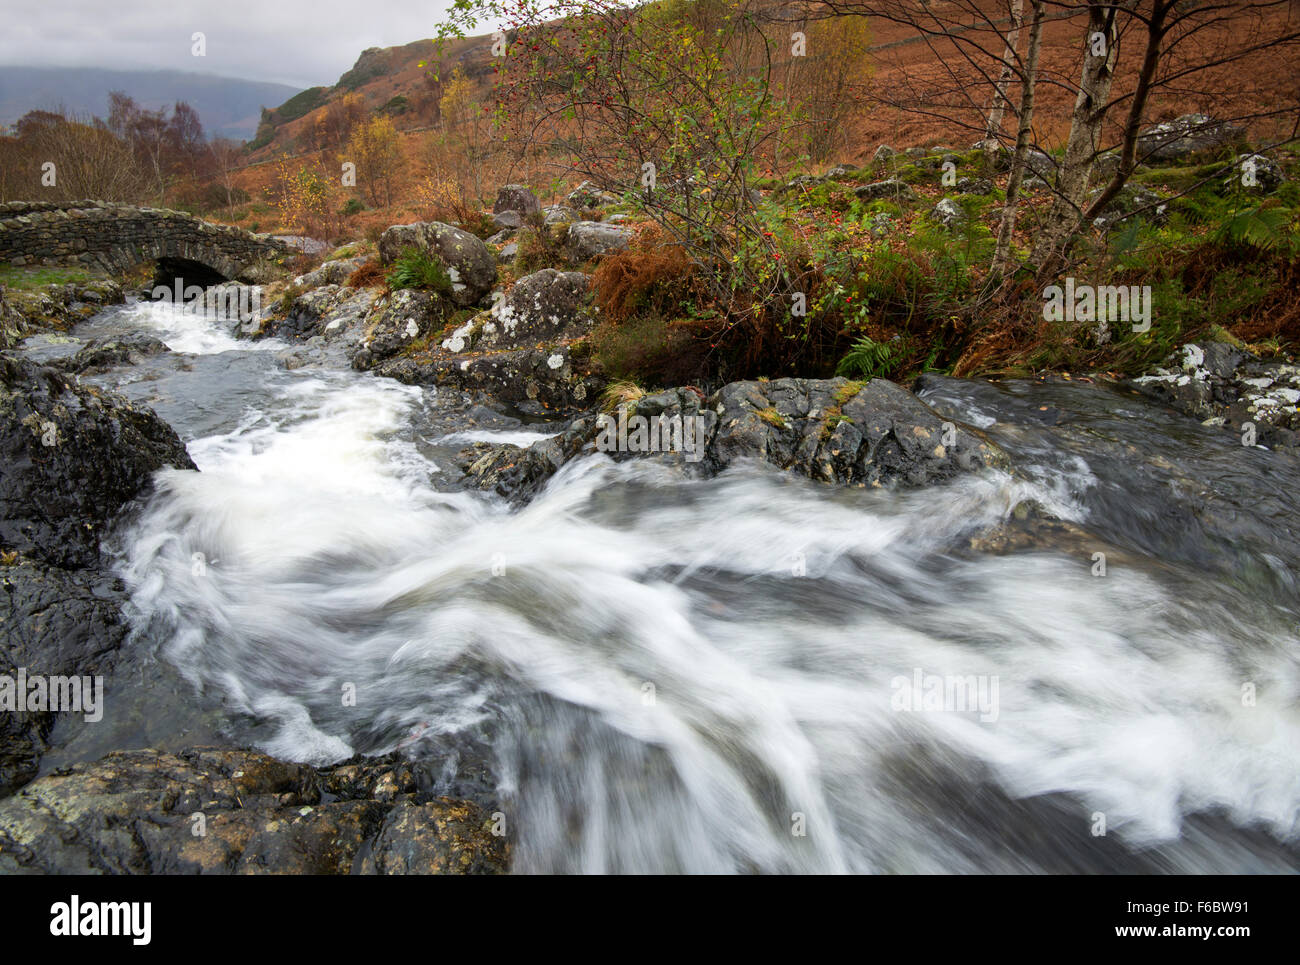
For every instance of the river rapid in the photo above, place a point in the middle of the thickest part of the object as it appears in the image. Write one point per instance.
(643, 672)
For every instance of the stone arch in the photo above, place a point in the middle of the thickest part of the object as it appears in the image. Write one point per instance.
(118, 237)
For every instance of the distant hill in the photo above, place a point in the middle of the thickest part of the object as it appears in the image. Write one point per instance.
(228, 107)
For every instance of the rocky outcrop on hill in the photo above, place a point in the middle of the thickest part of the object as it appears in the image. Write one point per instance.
(209, 811)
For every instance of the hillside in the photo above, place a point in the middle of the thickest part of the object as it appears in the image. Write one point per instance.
(401, 81)
(228, 106)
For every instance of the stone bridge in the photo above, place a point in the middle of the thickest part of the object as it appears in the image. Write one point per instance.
(118, 237)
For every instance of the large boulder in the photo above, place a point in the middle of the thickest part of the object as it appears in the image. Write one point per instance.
(545, 306)
(518, 198)
(520, 351)
(73, 456)
(329, 310)
(471, 267)
(397, 322)
(1184, 137)
(593, 239)
(209, 811)
(544, 380)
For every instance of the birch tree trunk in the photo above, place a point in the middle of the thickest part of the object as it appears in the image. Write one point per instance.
(1024, 134)
(998, 108)
(1100, 52)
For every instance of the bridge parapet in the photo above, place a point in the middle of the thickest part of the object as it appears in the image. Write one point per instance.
(117, 237)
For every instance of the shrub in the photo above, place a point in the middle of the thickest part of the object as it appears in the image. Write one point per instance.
(369, 275)
(651, 350)
(631, 282)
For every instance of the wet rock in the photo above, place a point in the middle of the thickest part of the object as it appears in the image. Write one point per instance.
(548, 376)
(13, 325)
(516, 198)
(73, 456)
(593, 239)
(345, 318)
(53, 307)
(517, 473)
(53, 622)
(831, 430)
(835, 431)
(1185, 137)
(889, 188)
(137, 812)
(330, 310)
(101, 355)
(303, 318)
(470, 265)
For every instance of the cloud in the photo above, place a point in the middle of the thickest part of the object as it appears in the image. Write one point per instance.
(298, 42)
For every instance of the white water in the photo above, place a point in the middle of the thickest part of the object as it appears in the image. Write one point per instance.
(191, 330)
(664, 673)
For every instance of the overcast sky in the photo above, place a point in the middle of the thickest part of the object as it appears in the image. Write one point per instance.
(298, 42)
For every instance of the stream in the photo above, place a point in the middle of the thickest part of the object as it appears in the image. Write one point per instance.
(643, 672)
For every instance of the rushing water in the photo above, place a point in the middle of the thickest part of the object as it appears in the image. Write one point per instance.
(644, 672)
